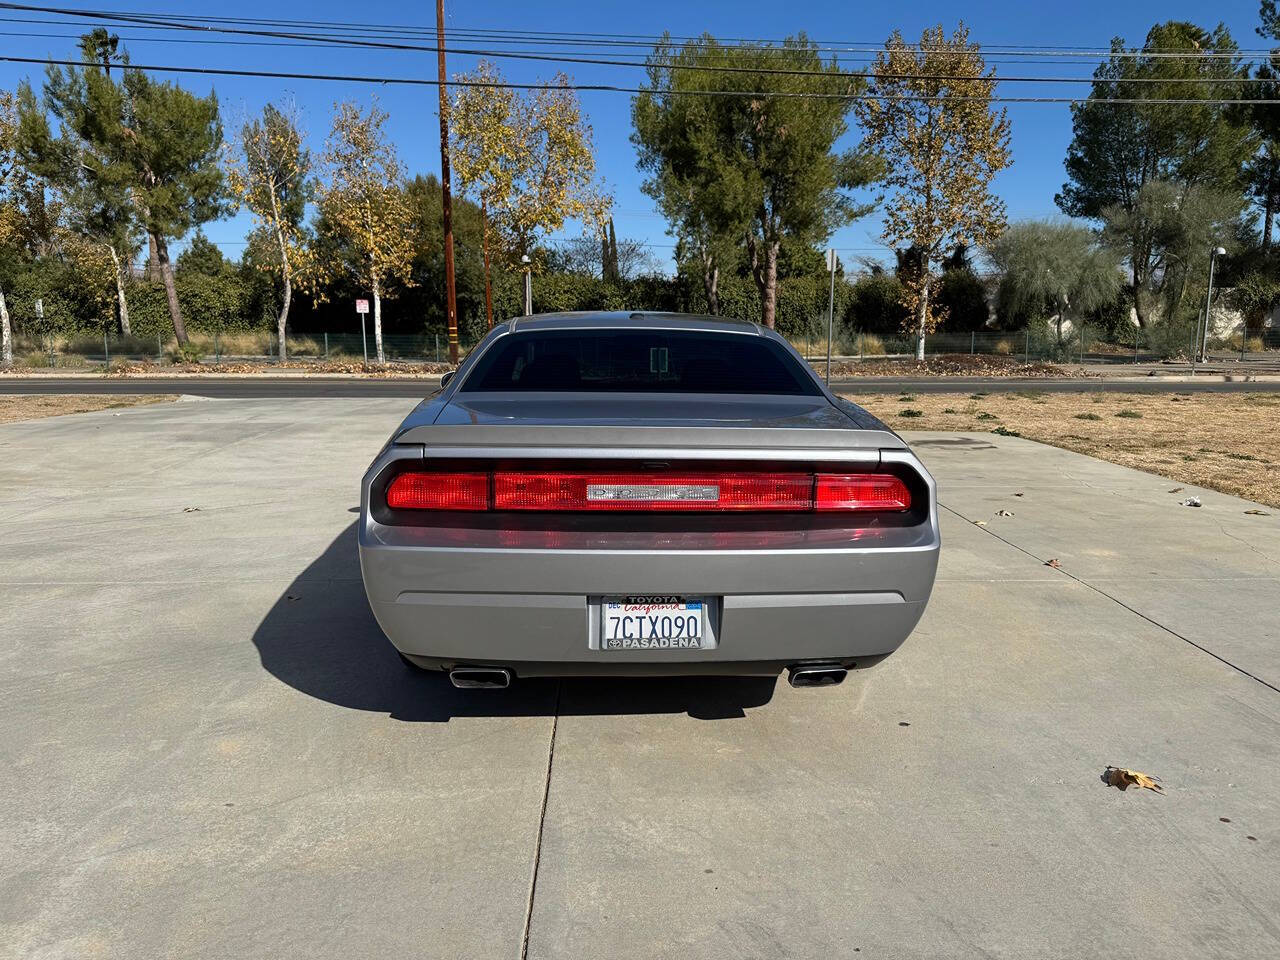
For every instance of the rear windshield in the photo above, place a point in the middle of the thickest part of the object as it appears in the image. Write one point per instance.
(645, 361)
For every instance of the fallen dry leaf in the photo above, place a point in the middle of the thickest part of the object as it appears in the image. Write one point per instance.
(979, 523)
(1124, 778)
(1052, 563)
(1257, 513)
(1176, 490)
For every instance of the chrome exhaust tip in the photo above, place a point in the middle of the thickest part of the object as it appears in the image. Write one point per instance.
(816, 676)
(480, 678)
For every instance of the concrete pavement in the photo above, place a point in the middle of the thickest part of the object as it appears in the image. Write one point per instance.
(212, 752)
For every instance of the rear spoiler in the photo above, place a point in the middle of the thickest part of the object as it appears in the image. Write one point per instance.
(692, 443)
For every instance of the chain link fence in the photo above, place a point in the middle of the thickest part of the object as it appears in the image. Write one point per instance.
(1084, 345)
(88, 352)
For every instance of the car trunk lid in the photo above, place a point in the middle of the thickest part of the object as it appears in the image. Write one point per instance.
(640, 425)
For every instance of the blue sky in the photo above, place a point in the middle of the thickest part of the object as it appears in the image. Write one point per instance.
(1040, 132)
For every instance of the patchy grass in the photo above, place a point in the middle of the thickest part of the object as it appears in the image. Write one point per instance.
(14, 408)
(950, 365)
(1223, 441)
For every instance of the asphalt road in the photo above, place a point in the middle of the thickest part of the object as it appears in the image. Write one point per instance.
(210, 750)
(296, 387)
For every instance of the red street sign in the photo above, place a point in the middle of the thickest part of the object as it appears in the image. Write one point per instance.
(362, 306)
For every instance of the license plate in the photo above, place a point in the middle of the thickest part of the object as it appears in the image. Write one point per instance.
(653, 623)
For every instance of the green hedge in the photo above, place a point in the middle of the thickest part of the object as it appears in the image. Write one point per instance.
(68, 308)
(240, 300)
(210, 304)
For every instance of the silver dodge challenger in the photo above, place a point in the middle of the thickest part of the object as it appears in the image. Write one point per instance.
(644, 494)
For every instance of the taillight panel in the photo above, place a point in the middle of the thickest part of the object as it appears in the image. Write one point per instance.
(420, 490)
(860, 491)
(664, 491)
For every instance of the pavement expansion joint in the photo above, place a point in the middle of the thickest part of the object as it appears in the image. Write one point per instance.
(1116, 600)
(542, 820)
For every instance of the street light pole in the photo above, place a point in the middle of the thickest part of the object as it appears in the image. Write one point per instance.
(1208, 300)
(831, 309)
(528, 286)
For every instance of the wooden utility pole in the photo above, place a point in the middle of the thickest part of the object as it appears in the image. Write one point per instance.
(451, 293)
(484, 233)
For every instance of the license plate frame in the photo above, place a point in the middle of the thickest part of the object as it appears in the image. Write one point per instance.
(663, 636)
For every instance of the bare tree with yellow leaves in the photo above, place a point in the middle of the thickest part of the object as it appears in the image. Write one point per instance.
(269, 171)
(932, 119)
(8, 216)
(528, 158)
(362, 198)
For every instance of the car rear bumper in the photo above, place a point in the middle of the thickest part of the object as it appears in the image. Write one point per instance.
(552, 633)
(530, 601)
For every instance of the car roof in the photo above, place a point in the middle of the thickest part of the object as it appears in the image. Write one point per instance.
(648, 320)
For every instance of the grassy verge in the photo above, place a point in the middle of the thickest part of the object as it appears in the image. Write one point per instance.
(1224, 441)
(14, 408)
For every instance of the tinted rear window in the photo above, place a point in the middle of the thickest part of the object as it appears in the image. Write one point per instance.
(644, 361)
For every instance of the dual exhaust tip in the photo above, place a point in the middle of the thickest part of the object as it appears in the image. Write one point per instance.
(480, 678)
(816, 676)
(499, 678)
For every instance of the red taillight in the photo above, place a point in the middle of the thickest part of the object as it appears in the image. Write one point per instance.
(439, 491)
(576, 491)
(860, 491)
(650, 491)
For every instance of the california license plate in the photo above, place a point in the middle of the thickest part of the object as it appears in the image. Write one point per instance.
(653, 623)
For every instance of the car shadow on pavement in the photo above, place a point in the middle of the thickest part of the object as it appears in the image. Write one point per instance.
(321, 639)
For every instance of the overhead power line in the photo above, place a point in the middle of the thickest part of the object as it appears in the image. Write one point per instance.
(613, 88)
(327, 40)
(991, 55)
(207, 23)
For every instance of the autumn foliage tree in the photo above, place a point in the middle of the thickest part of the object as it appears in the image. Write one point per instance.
(10, 172)
(268, 170)
(932, 118)
(529, 159)
(362, 198)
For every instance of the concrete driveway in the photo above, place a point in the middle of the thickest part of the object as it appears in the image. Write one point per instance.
(210, 751)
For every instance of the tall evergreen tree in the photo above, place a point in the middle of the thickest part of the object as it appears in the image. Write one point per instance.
(151, 142)
(752, 168)
(1125, 160)
(1264, 169)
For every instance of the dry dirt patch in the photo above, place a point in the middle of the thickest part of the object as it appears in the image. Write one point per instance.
(1223, 441)
(950, 365)
(14, 408)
